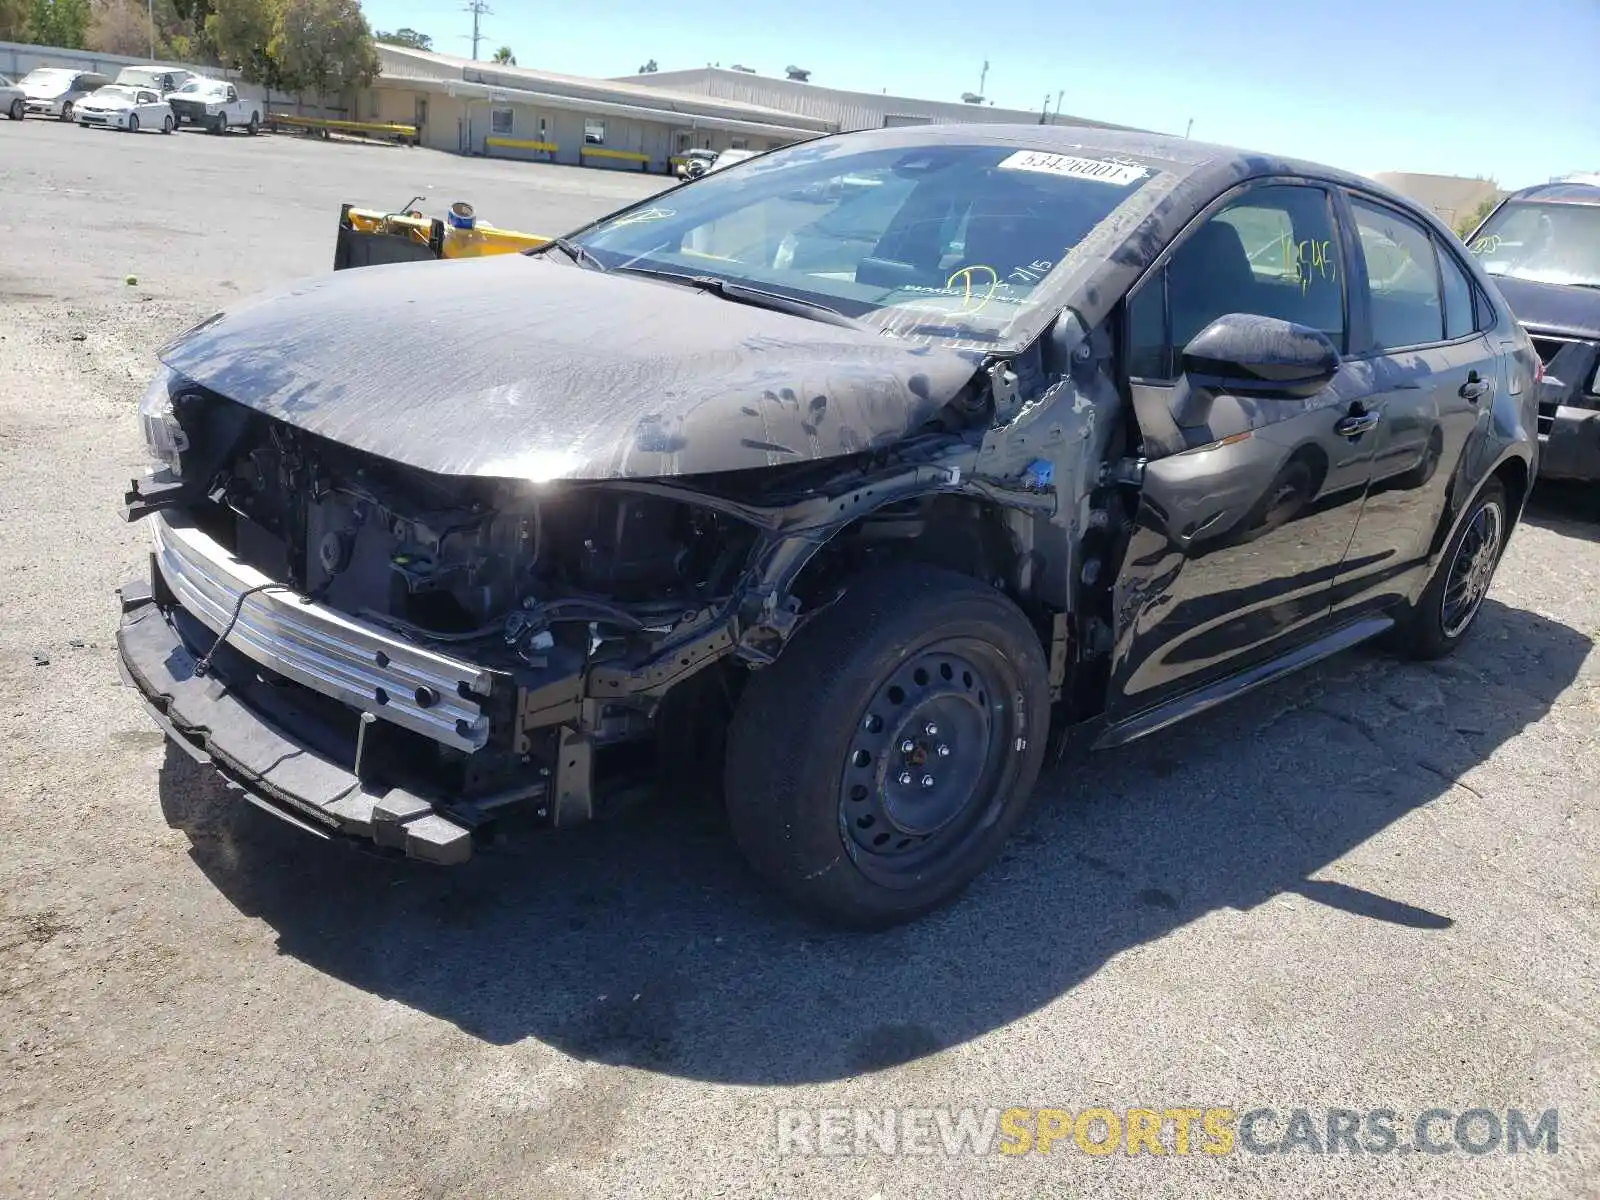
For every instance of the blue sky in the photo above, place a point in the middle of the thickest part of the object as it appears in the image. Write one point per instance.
(1498, 88)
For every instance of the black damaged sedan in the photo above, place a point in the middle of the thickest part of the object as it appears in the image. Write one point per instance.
(842, 476)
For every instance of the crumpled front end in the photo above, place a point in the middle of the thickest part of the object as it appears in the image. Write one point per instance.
(375, 650)
(1569, 405)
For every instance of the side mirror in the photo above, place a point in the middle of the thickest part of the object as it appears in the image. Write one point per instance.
(1243, 354)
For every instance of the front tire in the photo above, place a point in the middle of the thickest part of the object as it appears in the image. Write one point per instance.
(879, 765)
(1449, 605)
(220, 125)
(66, 111)
(18, 110)
(167, 125)
(133, 122)
(255, 124)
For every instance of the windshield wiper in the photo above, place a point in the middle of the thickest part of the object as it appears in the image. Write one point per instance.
(581, 255)
(741, 293)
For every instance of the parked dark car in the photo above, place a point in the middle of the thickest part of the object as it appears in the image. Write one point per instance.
(1542, 245)
(844, 503)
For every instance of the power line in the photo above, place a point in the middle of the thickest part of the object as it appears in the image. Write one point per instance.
(478, 8)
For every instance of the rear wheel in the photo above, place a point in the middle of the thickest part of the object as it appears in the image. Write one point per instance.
(1449, 605)
(879, 765)
(133, 122)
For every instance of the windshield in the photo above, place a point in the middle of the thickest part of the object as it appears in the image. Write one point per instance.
(1544, 243)
(113, 93)
(139, 77)
(939, 240)
(194, 87)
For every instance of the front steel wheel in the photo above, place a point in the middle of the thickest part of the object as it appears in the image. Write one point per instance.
(878, 766)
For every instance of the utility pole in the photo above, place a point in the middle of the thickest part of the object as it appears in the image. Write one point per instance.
(983, 78)
(478, 8)
(1188, 129)
(151, 6)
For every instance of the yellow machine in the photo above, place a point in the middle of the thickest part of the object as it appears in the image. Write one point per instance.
(368, 237)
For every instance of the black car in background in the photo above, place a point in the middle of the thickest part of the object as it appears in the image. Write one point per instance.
(1542, 245)
(841, 473)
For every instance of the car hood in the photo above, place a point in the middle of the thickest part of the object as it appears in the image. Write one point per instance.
(517, 367)
(94, 105)
(1552, 308)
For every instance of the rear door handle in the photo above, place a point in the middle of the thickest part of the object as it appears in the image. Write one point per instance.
(1474, 388)
(1356, 424)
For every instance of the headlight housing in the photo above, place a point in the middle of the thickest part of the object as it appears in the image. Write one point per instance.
(163, 436)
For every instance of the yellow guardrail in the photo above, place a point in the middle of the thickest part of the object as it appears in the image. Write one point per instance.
(520, 144)
(405, 133)
(627, 155)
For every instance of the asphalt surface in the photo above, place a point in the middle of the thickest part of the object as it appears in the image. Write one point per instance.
(1374, 886)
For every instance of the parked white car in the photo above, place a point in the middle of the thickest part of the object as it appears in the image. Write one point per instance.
(154, 76)
(54, 91)
(728, 157)
(128, 108)
(216, 105)
(12, 100)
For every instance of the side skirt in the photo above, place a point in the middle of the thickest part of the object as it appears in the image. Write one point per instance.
(1211, 695)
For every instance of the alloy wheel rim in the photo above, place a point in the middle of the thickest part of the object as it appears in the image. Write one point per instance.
(1472, 569)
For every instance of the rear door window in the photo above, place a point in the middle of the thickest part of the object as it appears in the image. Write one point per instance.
(1402, 275)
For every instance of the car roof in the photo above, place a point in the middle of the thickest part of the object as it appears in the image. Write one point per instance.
(1560, 192)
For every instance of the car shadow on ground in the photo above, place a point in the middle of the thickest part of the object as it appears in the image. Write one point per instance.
(1569, 508)
(647, 942)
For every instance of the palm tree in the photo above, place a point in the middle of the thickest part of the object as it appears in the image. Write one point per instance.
(504, 57)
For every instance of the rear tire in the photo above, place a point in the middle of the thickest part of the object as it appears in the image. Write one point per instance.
(1448, 607)
(823, 794)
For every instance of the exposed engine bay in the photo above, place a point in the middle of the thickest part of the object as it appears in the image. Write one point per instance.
(497, 565)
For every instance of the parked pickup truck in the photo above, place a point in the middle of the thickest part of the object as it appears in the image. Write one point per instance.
(216, 105)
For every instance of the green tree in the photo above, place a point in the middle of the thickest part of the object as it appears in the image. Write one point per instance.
(240, 31)
(324, 46)
(58, 22)
(409, 38)
(504, 57)
(1475, 218)
(13, 20)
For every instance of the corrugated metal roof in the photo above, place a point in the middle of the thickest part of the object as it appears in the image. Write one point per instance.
(847, 110)
(405, 63)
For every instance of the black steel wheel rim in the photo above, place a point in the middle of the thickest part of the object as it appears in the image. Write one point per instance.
(931, 760)
(1472, 569)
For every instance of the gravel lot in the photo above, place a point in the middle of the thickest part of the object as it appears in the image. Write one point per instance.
(1374, 886)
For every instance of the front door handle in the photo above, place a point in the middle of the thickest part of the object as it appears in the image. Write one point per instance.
(1358, 422)
(1474, 388)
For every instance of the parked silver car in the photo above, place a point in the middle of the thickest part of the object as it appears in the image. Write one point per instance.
(55, 91)
(12, 100)
(155, 77)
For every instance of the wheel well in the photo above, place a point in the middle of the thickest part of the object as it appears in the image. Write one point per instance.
(1513, 476)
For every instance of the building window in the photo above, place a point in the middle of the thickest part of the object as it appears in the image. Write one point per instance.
(500, 121)
(739, 144)
(594, 132)
(542, 135)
